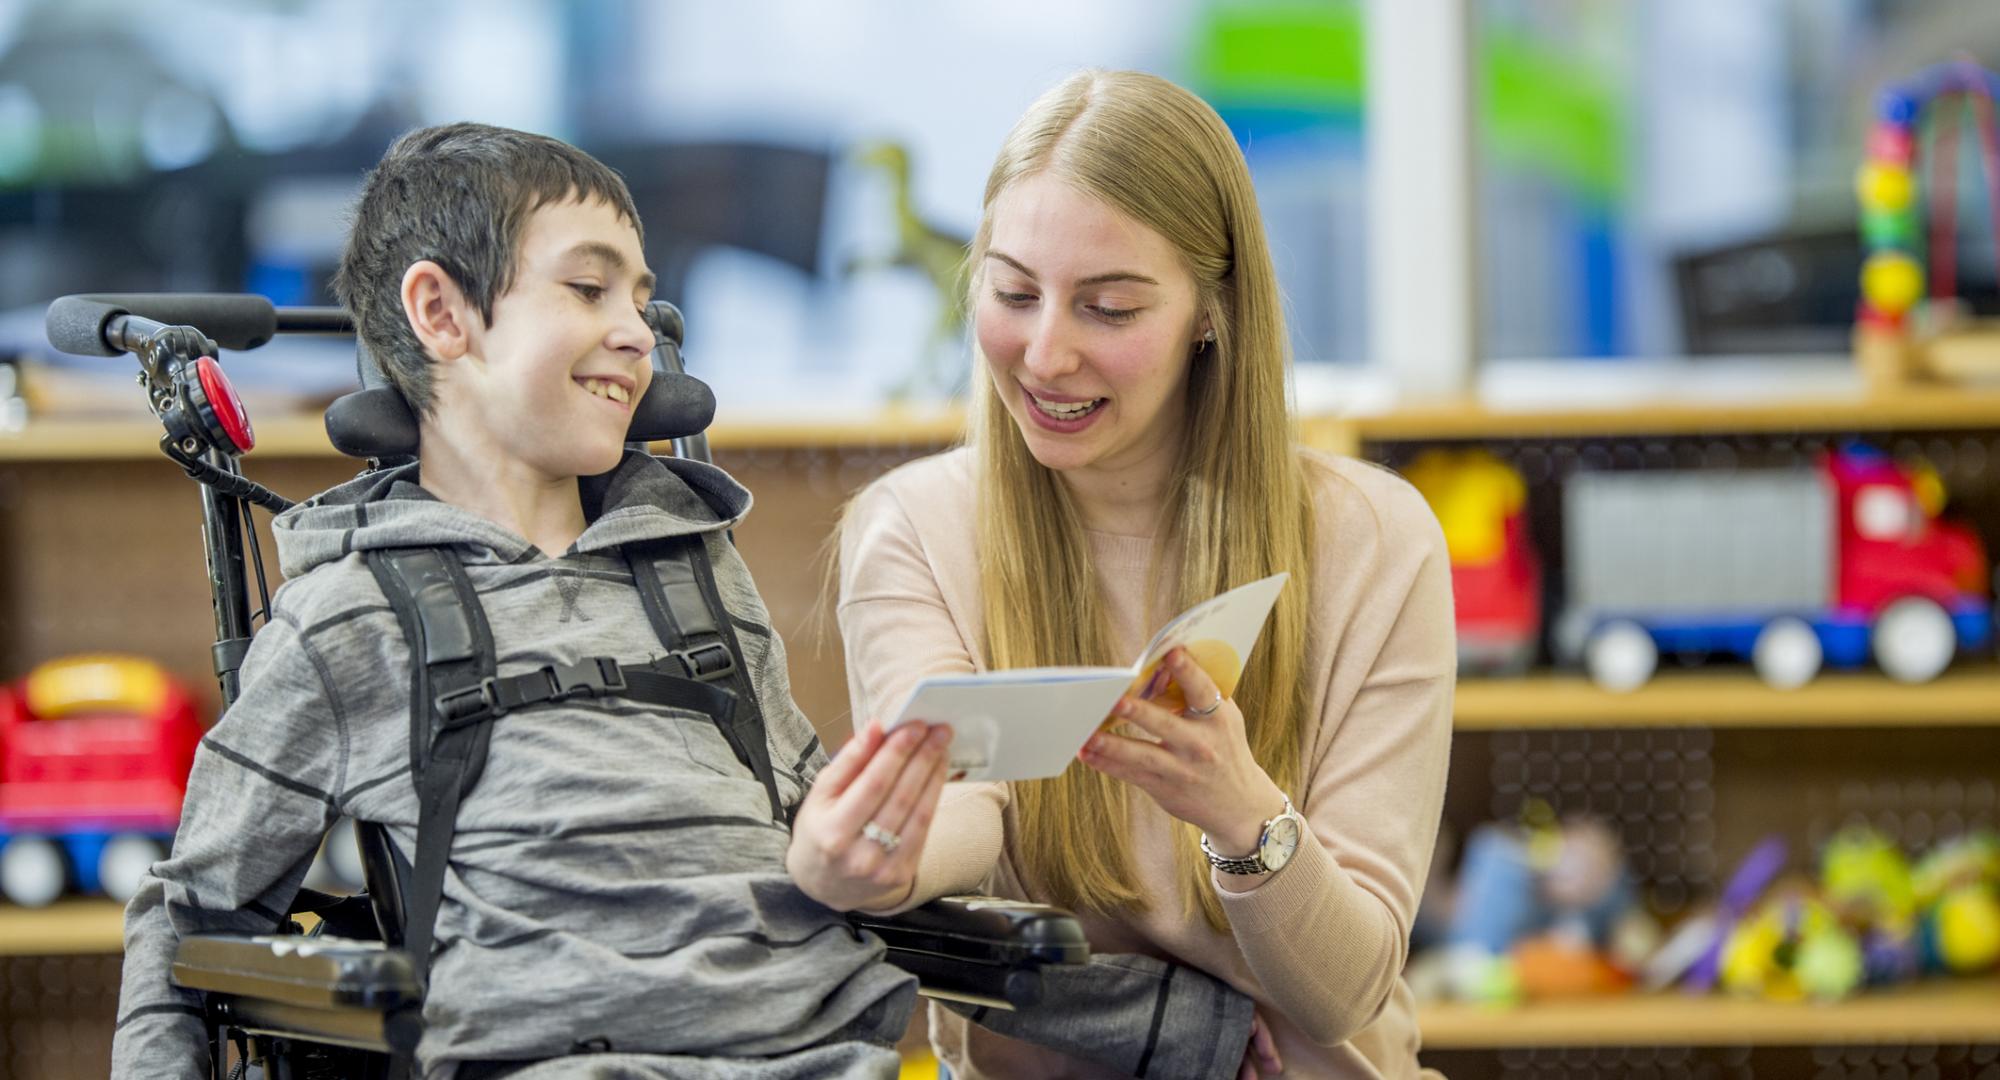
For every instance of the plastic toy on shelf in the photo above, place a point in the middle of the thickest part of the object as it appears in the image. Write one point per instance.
(1791, 569)
(1542, 910)
(1496, 575)
(1869, 920)
(1899, 333)
(94, 758)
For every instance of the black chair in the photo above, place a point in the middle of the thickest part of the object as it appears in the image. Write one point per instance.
(343, 1000)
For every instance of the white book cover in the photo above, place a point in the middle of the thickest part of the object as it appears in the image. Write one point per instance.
(1029, 723)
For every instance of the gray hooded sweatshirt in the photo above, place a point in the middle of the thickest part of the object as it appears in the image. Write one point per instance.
(616, 874)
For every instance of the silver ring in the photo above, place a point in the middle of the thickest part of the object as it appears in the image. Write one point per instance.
(889, 841)
(1210, 711)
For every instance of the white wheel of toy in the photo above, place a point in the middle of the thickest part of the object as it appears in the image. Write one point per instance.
(1787, 654)
(124, 862)
(32, 871)
(1914, 640)
(1621, 656)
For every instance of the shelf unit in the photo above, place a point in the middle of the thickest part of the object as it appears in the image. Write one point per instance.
(70, 474)
(1944, 1011)
(1962, 697)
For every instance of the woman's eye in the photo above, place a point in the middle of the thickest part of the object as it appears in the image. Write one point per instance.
(1116, 315)
(1012, 299)
(591, 293)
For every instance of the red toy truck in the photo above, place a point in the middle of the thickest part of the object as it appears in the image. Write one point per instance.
(94, 758)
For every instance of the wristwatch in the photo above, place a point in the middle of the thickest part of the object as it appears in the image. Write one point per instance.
(1276, 845)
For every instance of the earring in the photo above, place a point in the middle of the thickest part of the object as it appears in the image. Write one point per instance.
(1207, 339)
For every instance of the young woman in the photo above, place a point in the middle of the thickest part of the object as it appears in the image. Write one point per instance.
(1132, 453)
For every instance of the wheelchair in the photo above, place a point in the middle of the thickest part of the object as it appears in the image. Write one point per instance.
(345, 999)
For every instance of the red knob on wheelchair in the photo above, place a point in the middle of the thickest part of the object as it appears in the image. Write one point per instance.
(217, 408)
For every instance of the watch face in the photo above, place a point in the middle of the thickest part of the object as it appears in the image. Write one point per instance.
(1281, 841)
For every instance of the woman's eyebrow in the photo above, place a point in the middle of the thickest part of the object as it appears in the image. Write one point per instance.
(1094, 279)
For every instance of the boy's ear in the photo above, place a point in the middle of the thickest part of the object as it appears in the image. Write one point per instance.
(437, 309)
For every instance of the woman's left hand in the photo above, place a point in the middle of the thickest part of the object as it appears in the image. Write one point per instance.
(1201, 769)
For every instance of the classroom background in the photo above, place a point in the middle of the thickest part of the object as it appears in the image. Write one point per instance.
(1672, 308)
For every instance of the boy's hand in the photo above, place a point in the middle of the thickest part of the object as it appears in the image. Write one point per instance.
(860, 832)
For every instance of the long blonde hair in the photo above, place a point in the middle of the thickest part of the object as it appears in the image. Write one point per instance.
(1237, 506)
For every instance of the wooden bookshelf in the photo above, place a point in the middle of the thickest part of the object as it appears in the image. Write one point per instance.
(1934, 408)
(1968, 695)
(1942, 1011)
(304, 436)
(65, 928)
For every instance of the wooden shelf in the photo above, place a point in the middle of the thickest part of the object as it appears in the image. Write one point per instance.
(1962, 697)
(1944, 1011)
(1914, 409)
(137, 439)
(65, 928)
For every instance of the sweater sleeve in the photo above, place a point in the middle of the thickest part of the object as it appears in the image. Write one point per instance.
(260, 798)
(897, 631)
(1327, 936)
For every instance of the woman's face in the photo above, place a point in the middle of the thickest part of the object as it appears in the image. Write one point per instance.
(1087, 321)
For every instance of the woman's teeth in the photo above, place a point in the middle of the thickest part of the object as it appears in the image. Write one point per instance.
(605, 388)
(1067, 410)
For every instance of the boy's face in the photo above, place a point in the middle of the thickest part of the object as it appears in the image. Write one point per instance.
(552, 382)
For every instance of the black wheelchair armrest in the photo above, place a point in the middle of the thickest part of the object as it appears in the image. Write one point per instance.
(980, 949)
(360, 994)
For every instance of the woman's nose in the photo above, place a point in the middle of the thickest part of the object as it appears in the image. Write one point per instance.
(1050, 353)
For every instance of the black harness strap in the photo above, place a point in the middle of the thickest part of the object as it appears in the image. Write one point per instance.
(677, 587)
(431, 594)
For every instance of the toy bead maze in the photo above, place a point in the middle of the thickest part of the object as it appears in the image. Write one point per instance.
(1911, 323)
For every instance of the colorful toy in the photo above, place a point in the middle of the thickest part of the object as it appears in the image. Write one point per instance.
(1544, 902)
(1696, 948)
(94, 758)
(1791, 569)
(1866, 879)
(1496, 575)
(1898, 333)
(1968, 929)
(1792, 948)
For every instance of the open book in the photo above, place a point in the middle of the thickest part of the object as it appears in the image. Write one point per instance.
(1028, 723)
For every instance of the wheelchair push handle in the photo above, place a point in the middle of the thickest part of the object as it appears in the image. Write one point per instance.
(108, 324)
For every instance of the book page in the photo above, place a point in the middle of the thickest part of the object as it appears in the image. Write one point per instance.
(1028, 723)
(1218, 633)
(1024, 724)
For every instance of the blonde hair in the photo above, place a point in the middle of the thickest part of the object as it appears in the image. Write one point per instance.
(1237, 506)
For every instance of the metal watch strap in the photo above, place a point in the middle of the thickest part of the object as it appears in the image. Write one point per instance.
(1249, 864)
(1252, 863)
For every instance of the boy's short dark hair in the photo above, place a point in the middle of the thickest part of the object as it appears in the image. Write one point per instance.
(459, 195)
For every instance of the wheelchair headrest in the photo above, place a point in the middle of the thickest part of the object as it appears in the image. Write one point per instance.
(376, 422)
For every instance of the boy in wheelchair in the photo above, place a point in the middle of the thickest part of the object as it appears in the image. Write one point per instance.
(588, 642)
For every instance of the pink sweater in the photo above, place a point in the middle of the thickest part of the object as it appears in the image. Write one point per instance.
(1319, 945)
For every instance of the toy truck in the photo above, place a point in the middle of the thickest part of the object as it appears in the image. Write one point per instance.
(94, 758)
(1792, 569)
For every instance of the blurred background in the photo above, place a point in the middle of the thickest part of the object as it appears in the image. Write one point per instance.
(1640, 166)
(1658, 276)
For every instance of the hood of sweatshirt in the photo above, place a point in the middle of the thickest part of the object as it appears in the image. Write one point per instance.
(643, 498)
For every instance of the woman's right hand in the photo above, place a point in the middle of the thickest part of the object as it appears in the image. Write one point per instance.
(1260, 1057)
(860, 833)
